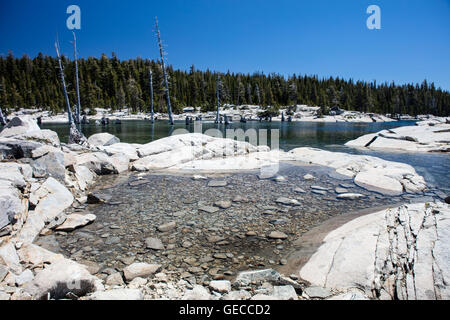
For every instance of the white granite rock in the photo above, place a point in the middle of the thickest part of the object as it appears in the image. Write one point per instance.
(61, 277)
(118, 294)
(419, 138)
(197, 293)
(140, 269)
(366, 252)
(221, 286)
(10, 203)
(18, 126)
(75, 221)
(102, 139)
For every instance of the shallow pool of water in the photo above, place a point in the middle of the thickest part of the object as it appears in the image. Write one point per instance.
(206, 244)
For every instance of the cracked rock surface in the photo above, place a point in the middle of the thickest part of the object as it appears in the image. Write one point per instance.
(399, 253)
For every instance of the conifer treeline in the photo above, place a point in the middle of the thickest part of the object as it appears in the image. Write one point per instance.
(112, 83)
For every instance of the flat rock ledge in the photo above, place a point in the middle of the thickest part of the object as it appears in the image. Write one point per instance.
(426, 136)
(40, 178)
(399, 253)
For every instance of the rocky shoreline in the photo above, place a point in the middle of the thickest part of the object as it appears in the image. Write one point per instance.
(426, 136)
(42, 179)
(235, 113)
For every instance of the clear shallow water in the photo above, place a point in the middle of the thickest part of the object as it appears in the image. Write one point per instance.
(329, 136)
(205, 244)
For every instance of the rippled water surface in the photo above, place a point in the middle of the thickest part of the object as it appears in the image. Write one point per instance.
(330, 136)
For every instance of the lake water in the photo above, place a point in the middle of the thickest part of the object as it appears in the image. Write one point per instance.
(330, 136)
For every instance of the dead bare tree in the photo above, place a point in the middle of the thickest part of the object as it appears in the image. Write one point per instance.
(75, 136)
(78, 110)
(151, 95)
(2, 118)
(217, 98)
(161, 51)
(61, 70)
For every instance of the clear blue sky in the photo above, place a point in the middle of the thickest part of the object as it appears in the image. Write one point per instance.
(327, 38)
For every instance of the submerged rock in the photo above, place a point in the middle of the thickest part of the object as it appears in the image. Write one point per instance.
(154, 243)
(351, 196)
(167, 226)
(217, 183)
(223, 204)
(277, 235)
(287, 201)
(208, 209)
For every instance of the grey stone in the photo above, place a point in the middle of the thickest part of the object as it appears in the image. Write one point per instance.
(317, 292)
(287, 201)
(277, 235)
(246, 277)
(17, 149)
(167, 226)
(60, 278)
(223, 204)
(75, 221)
(319, 188)
(350, 196)
(154, 243)
(12, 172)
(10, 204)
(208, 209)
(112, 240)
(285, 292)
(115, 279)
(19, 125)
(140, 269)
(340, 190)
(217, 183)
(3, 272)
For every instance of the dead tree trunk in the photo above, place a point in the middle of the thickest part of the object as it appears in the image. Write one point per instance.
(217, 98)
(161, 51)
(61, 70)
(151, 95)
(77, 113)
(2, 118)
(75, 136)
